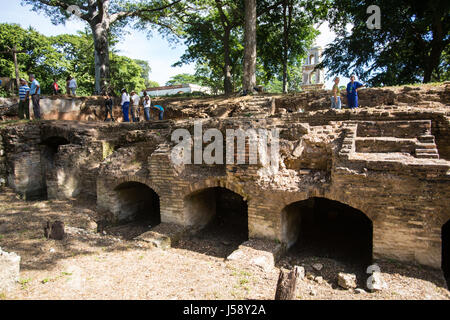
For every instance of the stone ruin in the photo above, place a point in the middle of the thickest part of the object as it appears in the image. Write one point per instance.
(378, 177)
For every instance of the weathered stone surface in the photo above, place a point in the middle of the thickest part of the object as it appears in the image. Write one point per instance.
(9, 270)
(390, 160)
(257, 252)
(347, 280)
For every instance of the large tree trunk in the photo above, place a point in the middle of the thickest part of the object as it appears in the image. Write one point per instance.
(437, 46)
(16, 67)
(285, 46)
(249, 80)
(101, 47)
(287, 21)
(227, 82)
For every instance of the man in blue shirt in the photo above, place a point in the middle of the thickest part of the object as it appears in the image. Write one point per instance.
(35, 92)
(352, 92)
(161, 111)
(24, 100)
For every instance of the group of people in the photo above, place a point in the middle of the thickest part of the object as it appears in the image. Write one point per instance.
(352, 93)
(131, 103)
(26, 93)
(71, 86)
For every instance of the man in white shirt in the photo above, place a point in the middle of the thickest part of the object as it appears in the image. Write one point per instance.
(125, 105)
(73, 86)
(135, 100)
(147, 105)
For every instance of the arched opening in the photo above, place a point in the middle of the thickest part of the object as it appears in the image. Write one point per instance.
(324, 228)
(137, 210)
(221, 216)
(446, 252)
(138, 203)
(49, 150)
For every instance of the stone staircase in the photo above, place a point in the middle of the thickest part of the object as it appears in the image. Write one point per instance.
(257, 107)
(426, 148)
(384, 139)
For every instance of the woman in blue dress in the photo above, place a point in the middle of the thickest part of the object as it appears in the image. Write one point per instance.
(352, 92)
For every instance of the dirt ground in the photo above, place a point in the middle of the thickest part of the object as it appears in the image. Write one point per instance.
(90, 265)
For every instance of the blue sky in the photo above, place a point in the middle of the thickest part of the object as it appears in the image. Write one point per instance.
(136, 45)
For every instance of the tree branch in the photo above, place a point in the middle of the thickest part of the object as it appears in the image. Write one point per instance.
(126, 14)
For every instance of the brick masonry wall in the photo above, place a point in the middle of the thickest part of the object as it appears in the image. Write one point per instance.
(406, 198)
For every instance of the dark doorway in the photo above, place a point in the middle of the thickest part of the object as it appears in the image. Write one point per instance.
(220, 217)
(49, 150)
(139, 203)
(324, 228)
(139, 210)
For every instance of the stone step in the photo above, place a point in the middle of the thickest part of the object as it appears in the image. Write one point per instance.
(429, 151)
(426, 145)
(427, 139)
(427, 156)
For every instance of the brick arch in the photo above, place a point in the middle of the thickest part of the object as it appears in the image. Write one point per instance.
(199, 209)
(137, 179)
(340, 224)
(297, 197)
(197, 187)
(59, 132)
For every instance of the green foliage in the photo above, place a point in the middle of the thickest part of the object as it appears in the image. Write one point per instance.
(183, 78)
(410, 46)
(64, 55)
(152, 84)
(284, 36)
(213, 35)
(126, 73)
(145, 66)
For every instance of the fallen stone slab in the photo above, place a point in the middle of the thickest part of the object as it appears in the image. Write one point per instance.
(9, 270)
(163, 236)
(258, 252)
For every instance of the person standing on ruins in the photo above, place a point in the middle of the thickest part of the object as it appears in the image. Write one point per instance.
(352, 92)
(125, 105)
(108, 107)
(24, 100)
(135, 100)
(35, 92)
(73, 86)
(147, 105)
(55, 87)
(336, 98)
(67, 85)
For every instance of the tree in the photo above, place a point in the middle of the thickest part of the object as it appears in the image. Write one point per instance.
(145, 70)
(408, 48)
(35, 53)
(211, 31)
(249, 81)
(183, 78)
(102, 16)
(127, 74)
(152, 84)
(285, 34)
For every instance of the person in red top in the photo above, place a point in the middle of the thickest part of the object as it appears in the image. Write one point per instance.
(55, 87)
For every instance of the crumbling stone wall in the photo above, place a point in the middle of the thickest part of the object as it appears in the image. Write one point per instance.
(389, 162)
